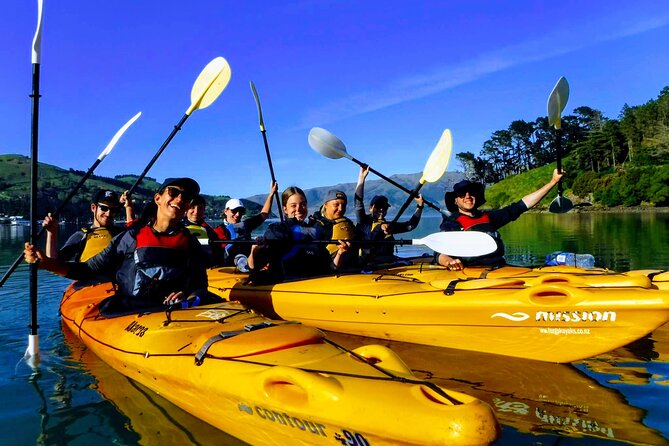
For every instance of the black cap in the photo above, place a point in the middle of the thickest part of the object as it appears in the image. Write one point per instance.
(379, 201)
(335, 195)
(187, 184)
(477, 190)
(106, 196)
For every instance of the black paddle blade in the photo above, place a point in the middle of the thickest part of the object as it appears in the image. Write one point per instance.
(560, 205)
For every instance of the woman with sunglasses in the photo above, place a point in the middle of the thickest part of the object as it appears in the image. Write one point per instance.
(90, 240)
(463, 203)
(235, 227)
(285, 251)
(156, 262)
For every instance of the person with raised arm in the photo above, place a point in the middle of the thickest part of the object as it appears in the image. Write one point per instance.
(464, 201)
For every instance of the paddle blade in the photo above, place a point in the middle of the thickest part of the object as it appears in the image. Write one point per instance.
(459, 243)
(437, 163)
(209, 84)
(557, 101)
(117, 136)
(255, 96)
(37, 40)
(560, 205)
(327, 144)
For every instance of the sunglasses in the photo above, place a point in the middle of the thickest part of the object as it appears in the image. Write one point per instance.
(105, 208)
(174, 192)
(240, 211)
(461, 194)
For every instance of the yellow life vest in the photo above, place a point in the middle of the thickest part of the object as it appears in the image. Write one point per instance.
(97, 239)
(342, 229)
(198, 231)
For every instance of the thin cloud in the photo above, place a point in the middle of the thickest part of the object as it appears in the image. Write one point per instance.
(410, 88)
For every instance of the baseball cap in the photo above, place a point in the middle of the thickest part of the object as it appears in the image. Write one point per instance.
(234, 203)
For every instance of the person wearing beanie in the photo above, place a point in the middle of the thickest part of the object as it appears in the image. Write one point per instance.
(156, 262)
(463, 203)
(374, 226)
(90, 240)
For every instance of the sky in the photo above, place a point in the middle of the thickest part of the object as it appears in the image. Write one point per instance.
(386, 77)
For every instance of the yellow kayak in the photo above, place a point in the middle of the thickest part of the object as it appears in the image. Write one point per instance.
(274, 382)
(555, 314)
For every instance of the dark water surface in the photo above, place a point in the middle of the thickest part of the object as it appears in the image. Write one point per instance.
(622, 397)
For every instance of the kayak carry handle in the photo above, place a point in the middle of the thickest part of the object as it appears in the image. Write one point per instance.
(295, 387)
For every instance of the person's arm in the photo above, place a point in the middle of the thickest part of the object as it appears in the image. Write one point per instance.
(409, 225)
(33, 255)
(451, 263)
(51, 226)
(126, 201)
(342, 248)
(358, 197)
(267, 207)
(535, 197)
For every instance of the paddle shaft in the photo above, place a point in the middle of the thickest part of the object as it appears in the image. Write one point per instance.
(412, 194)
(33, 196)
(558, 153)
(263, 131)
(395, 183)
(158, 153)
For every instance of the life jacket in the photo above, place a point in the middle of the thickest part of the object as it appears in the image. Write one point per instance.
(338, 229)
(161, 263)
(198, 231)
(95, 241)
(480, 222)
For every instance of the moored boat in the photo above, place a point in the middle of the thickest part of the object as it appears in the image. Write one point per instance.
(277, 382)
(555, 314)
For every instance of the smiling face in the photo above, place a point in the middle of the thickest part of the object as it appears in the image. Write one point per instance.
(296, 207)
(334, 209)
(195, 213)
(466, 202)
(172, 203)
(234, 215)
(103, 214)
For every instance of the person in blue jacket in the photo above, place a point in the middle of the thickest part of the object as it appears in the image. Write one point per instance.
(156, 262)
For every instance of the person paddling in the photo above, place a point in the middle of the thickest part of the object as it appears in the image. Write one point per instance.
(90, 240)
(373, 226)
(464, 201)
(195, 223)
(235, 227)
(284, 249)
(156, 262)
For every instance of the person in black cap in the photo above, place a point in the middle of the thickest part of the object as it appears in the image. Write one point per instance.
(88, 241)
(336, 226)
(373, 226)
(464, 201)
(156, 262)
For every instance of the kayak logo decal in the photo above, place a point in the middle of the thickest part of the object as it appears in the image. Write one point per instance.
(286, 419)
(136, 329)
(214, 314)
(561, 316)
(515, 317)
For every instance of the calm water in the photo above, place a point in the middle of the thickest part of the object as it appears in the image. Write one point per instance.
(622, 397)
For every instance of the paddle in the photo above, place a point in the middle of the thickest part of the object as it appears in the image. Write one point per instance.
(73, 192)
(454, 243)
(269, 158)
(556, 104)
(32, 352)
(207, 87)
(332, 147)
(434, 168)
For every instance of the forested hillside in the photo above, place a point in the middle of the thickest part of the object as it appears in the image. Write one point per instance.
(609, 161)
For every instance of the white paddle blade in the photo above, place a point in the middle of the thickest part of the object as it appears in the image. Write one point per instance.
(437, 163)
(117, 136)
(255, 96)
(37, 40)
(557, 101)
(327, 144)
(209, 84)
(459, 243)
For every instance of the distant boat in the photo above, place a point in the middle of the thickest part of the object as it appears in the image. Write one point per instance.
(18, 220)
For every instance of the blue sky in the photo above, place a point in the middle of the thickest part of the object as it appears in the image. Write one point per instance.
(387, 77)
